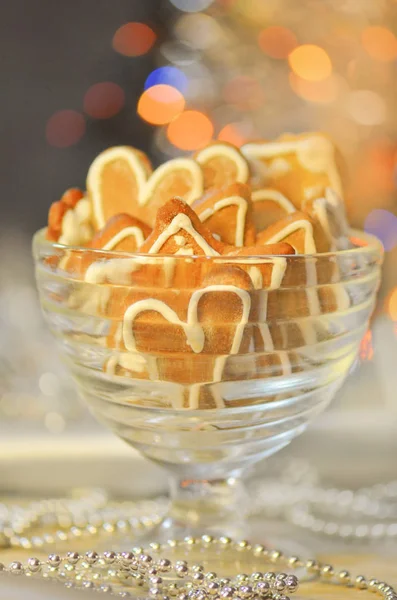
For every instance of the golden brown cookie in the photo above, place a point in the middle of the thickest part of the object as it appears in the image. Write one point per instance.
(228, 214)
(121, 180)
(222, 164)
(122, 233)
(301, 167)
(269, 206)
(298, 230)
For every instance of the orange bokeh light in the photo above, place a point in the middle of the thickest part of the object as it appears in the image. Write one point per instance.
(104, 100)
(65, 128)
(277, 42)
(133, 39)
(190, 130)
(231, 133)
(310, 62)
(366, 347)
(322, 92)
(391, 304)
(159, 104)
(380, 43)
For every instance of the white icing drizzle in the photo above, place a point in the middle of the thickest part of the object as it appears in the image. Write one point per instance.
(146, 185)
(169, 265)
(194, 332)
(182, 221)
(229, 152)
(179, 240)
(256, 277)
(122, 235)
(278, 271)
(315, 153)
(268, 344)
(274, 196)
(115, 270)
(284, 362)
(76, 224)
(242, 206)
(309, 245)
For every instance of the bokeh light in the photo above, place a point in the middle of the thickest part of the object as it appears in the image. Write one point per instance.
(391, 304)
(199, 30)
(323, 92)
(310, 62)
(366, 347)
(232, 133)
(159, 104)
(191, 5)
(191, 130)
(65, 128)
(244, 92)
(104, 100)
(383, 224)
(133, 39)
(277, 42)
(380, 43)
(168, 76)
(366, 107)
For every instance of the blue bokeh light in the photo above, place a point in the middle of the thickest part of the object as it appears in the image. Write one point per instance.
(168, 76)
(383, 224)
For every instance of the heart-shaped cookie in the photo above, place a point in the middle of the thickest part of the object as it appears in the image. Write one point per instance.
(121, 180)
(300, 167)
(222, 164)
(228, 214)
(122, 233)
(269, 206)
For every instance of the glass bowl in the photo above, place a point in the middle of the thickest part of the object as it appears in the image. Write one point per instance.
(207, 365)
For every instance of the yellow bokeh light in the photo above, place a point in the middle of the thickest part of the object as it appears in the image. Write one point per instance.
(391, 304)
(160, 104)
(310, 62)
(380, 43)
(190, 130)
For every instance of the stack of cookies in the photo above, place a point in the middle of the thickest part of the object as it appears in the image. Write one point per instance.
(191, 264)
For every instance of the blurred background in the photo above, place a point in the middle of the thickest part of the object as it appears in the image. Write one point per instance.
(168, 76)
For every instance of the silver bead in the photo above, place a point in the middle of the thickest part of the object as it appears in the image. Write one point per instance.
(54, 560)
(262, 588)
(293, 561)
(73, 557)
(226, 541)
(360, 582)
(279, 585)
(227, 591)
(155, 581)
(106, 589)
(224, 581)
(207, 539)
(373, 585)
(183, 596)
(327, 571)
(164, 565)
(109, 557)
(139, 579)
(155, 547)
(152, 571)
(210, 576)
(155, 592)
(88, 585)
(181, 570)
(127, 558)
(197, 568)
(344, 577)
(190, 540)
(173, 589)
(269, 576)
(198, 577)
(16, 568)
(257, 576)
(275, 555)
(243, 545)
(245, 591)
(145, 560)
(212, 587)
(91, 557)
(258, 550)
(292, 583)
(312, 566)
(34, 565)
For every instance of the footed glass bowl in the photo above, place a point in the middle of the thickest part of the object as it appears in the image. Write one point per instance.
(207, 365)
